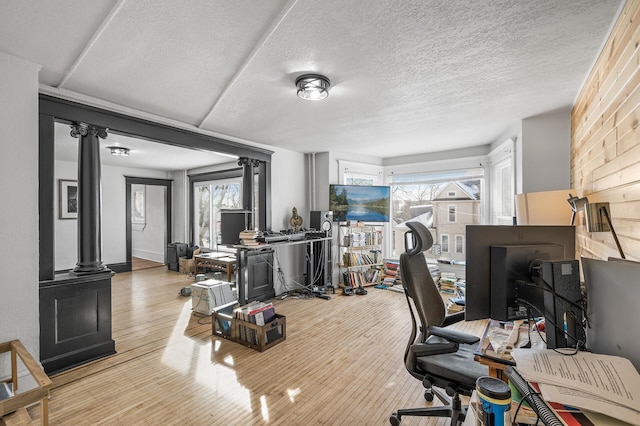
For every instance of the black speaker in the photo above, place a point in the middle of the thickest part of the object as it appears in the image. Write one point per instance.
(321, 220)
(563, 304)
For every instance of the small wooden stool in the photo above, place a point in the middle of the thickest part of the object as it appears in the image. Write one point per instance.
(12, 409)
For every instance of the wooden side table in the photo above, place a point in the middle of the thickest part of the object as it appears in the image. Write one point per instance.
(14, 407)
(221, 263)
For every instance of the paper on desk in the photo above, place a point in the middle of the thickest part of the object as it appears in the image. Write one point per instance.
(609, 377)
(589, 401)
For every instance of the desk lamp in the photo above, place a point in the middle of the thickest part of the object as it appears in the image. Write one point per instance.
(596, 216)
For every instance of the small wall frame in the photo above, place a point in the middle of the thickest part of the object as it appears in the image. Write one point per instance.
(68, 199)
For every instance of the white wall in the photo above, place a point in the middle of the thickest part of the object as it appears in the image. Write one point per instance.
(114, 224)
(148, 239)
(288, 190)
(544, 160)
(179, 201)
(19, 308)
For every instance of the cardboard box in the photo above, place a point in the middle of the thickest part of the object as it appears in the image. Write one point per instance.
(185, 265)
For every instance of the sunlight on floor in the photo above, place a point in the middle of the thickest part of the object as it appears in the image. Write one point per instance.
(193, 358)
(264, 409)
(293, 393)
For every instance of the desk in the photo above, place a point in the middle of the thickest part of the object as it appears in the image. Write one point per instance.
(255, 267)
(218, 261)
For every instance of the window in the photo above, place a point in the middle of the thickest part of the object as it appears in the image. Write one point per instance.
(445, 243)
(209, 198)
(452, 212)
(355, 179)
(502, 184)
(426, 197)
(459, 244)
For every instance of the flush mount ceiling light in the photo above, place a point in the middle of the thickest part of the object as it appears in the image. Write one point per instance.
(313, 87)
(119, 150)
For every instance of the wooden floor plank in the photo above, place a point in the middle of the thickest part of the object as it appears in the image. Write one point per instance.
(341, 363)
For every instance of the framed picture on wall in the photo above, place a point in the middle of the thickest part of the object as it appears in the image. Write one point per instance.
(138, 204)
(68, 199)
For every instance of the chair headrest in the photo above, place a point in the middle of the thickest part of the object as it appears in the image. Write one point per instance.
(422, 238)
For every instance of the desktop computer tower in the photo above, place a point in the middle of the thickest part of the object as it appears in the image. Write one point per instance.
(174, 252)
(319, 263)
(256, 275)
(563, 304)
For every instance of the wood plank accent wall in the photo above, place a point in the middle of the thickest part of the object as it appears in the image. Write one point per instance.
(605, 139)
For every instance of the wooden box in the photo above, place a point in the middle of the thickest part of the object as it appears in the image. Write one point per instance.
(258, 337)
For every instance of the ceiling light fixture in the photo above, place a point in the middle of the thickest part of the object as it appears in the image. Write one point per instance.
(119, 150)
(313, 87)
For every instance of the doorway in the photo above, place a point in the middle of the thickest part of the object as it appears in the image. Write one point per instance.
(148, 212)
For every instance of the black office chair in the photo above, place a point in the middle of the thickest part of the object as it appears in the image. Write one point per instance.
(437, 356)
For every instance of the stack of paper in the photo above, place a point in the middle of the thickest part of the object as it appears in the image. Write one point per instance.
(603, 384)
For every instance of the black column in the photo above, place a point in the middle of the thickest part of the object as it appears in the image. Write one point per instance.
(247, 186)
(89, 199)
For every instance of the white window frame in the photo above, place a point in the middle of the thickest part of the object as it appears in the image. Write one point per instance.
(455, 213)
(443, 244)
(459, 237)
(501, 159)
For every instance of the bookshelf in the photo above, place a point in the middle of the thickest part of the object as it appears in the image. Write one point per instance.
(360, 259)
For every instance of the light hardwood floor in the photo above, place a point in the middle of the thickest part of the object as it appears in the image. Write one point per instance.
(340, 364)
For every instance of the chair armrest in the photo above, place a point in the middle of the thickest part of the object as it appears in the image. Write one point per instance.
(426, 349)
(452, 319)
(452, 335)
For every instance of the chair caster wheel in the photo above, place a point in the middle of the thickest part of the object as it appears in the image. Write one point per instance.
(428, 395)
(394, 419)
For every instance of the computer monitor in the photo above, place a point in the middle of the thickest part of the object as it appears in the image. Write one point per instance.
(480, 239)
(516, 275)
(232, 222)
(613, 298)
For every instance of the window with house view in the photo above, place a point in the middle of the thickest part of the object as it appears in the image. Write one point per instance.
(445, 202)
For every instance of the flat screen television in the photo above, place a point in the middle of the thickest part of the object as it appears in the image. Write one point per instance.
(480, 242)
(360, 203)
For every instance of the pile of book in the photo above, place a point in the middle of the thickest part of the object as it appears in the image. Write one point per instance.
(248, 238)
(391, 272)
(259, 313)
(447, 283)
(455, 304)
(591, 389)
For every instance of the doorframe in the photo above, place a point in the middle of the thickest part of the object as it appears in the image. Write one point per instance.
(132, 180)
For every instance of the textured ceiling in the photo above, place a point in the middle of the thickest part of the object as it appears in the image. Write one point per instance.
(407, 76)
